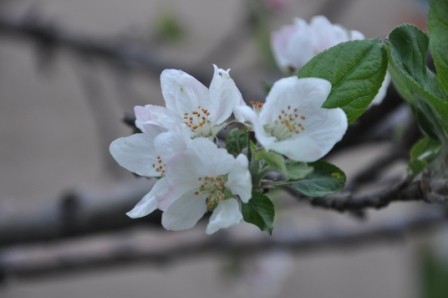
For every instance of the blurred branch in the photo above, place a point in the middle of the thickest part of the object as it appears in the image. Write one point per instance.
(130, 55)
(297, 242)
(400, 192)
(76, 214)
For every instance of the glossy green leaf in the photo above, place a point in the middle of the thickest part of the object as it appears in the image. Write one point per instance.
(259, 211)
(407, 51)
(325, 179)
(356, 70)
(438, 43)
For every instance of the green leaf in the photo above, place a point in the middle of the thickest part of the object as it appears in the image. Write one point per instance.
(298, 170)
(407, 50)
(236, 141)
(438, 43)
(259, 211)
(356, 70)
(275, 161)
(422, 154)
(325, 179)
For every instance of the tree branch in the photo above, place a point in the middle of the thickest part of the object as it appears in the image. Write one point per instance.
(76, 214)
(299, 242)
(348, 201)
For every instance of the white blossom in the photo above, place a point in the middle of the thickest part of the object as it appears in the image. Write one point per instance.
(146, 154)
(294, 45)
(292, 121)
(198, 110)
(205, 178)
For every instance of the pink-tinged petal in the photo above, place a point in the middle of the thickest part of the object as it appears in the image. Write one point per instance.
(155, 118)
(226, 214)
(239, 180)
(185, 212)
(224, 96)
(182, 92)
(292, 91)
(135, 153)
(150, 201)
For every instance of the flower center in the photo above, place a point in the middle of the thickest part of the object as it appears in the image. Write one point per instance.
(159, 166)
(214, 187)
(198, 121)
(288, 123)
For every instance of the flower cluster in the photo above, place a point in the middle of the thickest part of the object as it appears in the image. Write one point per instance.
(288, 132)
(178, 143)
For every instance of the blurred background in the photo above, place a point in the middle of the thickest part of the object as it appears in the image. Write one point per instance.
(71, 70)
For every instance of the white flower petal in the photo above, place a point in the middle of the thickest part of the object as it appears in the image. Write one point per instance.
(291, 45)
(171, 142)
(210, 160)
(149, 202)
(292, 121)
(224, 96)
(325, 34)
(183, 171)
(356, 35)
(299, 149)
(294, 92)
(135, 153)
(239, 180)
(226, 214)
(152, 117)
(182, 92)
(279, 45)
(323, 129)
(294, 45)
(184, 213)
(236, 114)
